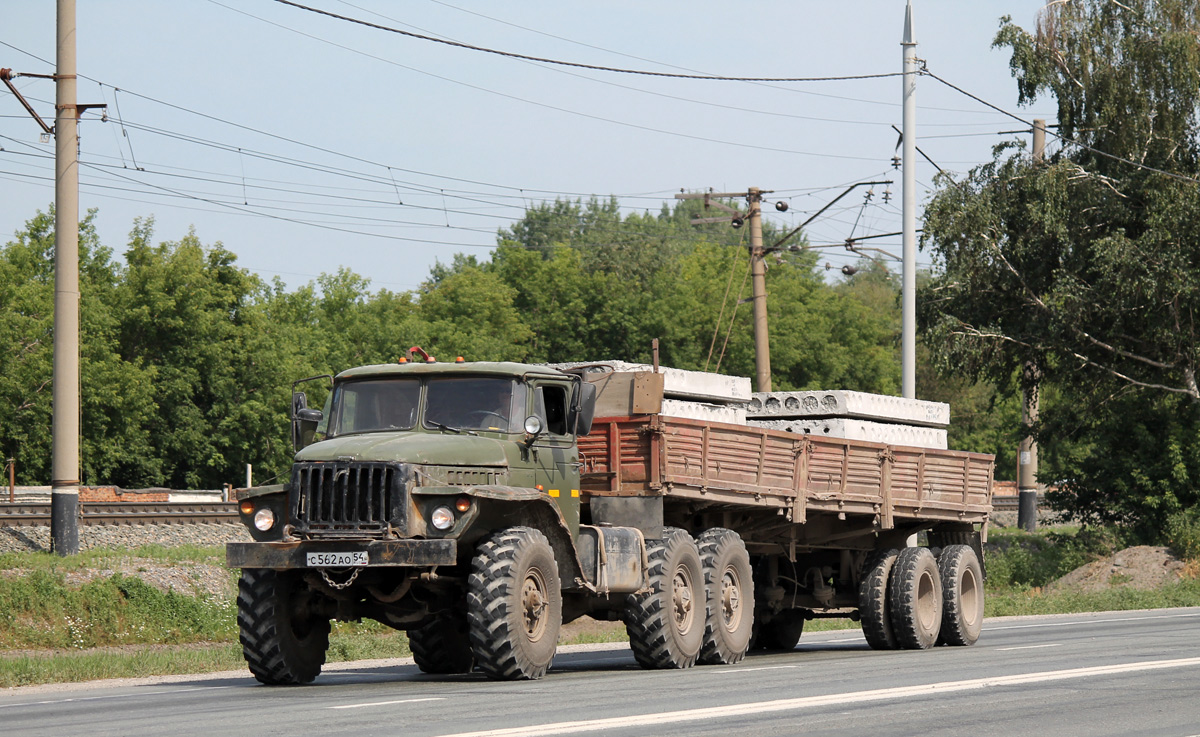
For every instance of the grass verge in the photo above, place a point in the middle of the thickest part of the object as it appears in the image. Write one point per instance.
(117, 626)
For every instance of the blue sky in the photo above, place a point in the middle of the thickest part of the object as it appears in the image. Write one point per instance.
(305, 144)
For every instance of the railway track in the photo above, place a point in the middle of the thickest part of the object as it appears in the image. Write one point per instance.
(22, 514)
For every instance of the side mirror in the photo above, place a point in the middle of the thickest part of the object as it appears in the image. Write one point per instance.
(310, 415)
(587, 408)
(304, 421)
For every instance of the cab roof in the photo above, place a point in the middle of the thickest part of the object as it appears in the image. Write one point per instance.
(439, 368)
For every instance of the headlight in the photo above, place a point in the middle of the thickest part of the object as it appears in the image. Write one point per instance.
(264, 519)
(442, 518)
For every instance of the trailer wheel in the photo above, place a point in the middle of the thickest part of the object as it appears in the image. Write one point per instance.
(783, 632)
(283, 640)
(915, 599)
(873, 599)
(442, 645)
(666, 623)
(514, 605)
(962, 595)
(729, 597)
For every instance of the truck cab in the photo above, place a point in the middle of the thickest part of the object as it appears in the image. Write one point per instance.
(397, 482)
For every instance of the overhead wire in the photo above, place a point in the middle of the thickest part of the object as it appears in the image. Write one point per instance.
(579, 65)
(1064, 139)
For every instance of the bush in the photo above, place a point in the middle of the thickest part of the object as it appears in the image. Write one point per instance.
(1183, 534)
(1019, 560)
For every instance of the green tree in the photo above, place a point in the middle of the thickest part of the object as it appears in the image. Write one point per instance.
(1085, 264)
(116, 406)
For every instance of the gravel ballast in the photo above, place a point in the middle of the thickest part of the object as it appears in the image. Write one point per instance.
(37, 539)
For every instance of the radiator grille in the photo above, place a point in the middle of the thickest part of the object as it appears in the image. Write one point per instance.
(348, 499)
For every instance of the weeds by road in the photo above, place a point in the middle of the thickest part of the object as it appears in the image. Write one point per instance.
(163, 611)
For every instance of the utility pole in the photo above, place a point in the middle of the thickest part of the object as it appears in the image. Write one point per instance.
(1027, 451)
(64, 484)
(908, 332)
(758, 268)
(758, 278)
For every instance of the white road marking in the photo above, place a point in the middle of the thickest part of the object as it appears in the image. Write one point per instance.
(138, 694)
(844, 639)
(1028, 647)
(386, 703)
(1074, 623)
(838, 699)
(751, 670)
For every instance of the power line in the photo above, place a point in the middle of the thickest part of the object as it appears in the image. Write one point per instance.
(706, 103)
(547, 106)
(1059, 136)
(593, 67)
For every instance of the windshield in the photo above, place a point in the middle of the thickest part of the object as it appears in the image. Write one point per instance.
(456, 403)
(375, 404)
(473, 403)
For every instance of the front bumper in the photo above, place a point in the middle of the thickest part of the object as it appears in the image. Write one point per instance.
(380, 553)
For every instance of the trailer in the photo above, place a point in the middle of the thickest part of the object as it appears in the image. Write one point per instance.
(479, 505)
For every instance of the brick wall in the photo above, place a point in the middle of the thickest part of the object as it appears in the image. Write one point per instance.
(115, 494)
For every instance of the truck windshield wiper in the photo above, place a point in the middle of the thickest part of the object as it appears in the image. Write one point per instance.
(445, 428)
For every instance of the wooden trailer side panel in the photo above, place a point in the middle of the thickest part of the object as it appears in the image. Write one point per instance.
(655, 455)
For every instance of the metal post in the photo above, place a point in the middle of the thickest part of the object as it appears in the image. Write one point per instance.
(1027, 451)
(758, 275)
(908, 333)
(64, 484)
(12, 479)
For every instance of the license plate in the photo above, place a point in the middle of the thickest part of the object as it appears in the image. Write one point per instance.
(323, 560)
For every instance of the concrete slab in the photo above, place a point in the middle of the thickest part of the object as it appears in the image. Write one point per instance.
(679, 383)
(859, 405)
(876, 432)
(733, 415)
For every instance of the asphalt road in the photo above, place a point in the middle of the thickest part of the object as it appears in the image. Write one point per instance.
(1117, 673)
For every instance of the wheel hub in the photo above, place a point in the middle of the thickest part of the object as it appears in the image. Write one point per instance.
(683, 602)
(731, 600)
(533, 604)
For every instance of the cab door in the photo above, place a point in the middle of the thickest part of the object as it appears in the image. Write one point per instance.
(555, 455)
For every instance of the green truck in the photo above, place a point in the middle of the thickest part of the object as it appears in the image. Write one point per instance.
(479, 505)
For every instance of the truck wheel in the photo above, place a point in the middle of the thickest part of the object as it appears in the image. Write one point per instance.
(514, 605)
(666, 624)
(283, 640)
(962, 595)
(915, 599)
(872, 599)
(783, 632)
(729, 597)
(442, 645)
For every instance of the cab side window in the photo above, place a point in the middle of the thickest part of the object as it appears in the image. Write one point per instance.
(552, 401)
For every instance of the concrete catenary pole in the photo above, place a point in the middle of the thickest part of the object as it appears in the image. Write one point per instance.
(758, 275)
(908, 333)
(64, 484)
(1027, 452)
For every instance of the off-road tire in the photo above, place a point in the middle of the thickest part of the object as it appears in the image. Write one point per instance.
(729, 597)
(873, 599)
(783, 631)
(442, 645)
(666, 623)
(915, 599)
(514, 605)
(283, 643)
(962, 595)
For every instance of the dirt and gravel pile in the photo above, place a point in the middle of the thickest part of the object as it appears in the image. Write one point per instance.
(1142, 567)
